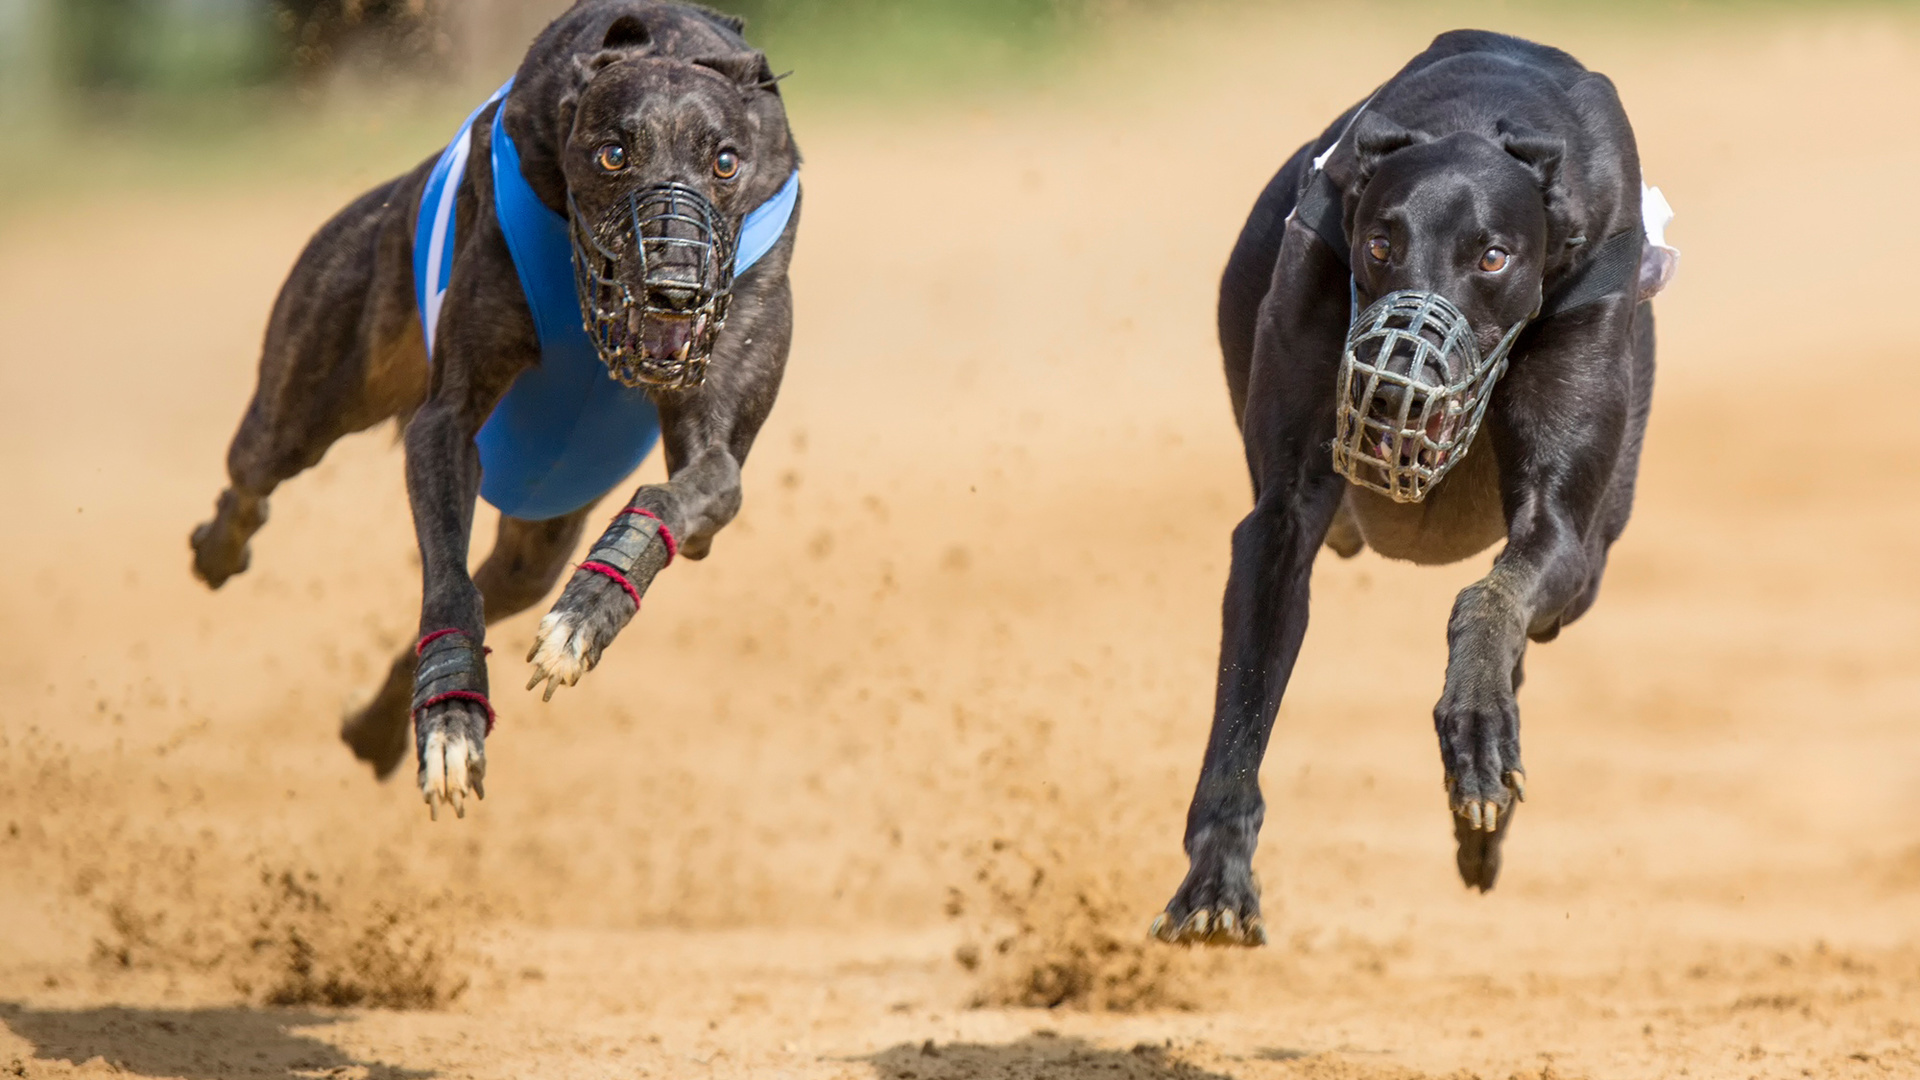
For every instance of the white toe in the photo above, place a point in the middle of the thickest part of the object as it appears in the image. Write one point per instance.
(559, 653)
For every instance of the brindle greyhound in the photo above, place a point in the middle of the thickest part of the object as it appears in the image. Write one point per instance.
(645, 134)
(1502, 176)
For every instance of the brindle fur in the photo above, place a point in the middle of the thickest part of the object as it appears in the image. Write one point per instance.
(344, 349)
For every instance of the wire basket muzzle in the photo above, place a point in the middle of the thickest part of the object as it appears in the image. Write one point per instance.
(1413, 390)
(655, 280)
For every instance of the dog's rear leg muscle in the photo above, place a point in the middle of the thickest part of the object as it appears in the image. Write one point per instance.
(342, 352)
(274, 444)
(527, 559)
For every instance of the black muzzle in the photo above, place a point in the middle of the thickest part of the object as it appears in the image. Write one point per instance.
(1413, 390)
(655, 277)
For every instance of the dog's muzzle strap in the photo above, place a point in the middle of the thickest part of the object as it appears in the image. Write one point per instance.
(1614, 268)
(1319, 209)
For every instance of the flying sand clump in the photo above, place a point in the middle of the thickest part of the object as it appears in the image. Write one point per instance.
(1050, 936)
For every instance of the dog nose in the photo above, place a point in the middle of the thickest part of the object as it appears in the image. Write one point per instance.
(1387, 399)
(670, 296)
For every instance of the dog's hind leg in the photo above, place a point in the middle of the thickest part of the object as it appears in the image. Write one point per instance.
(343, 352)
(264, 453)
(527, 559)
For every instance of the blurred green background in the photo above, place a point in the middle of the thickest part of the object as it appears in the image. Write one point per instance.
(95, 93)
(96, 48)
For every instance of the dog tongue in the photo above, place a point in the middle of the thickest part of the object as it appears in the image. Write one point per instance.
(665, 338)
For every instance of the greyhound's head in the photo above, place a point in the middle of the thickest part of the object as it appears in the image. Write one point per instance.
(663, 159)
(1464, 216)
(1449, 239)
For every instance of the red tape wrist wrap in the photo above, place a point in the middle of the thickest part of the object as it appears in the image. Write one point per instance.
(619, 579)
(474, 696)
(443, 673)
(428, 639)
(666, 534)
(420, 647)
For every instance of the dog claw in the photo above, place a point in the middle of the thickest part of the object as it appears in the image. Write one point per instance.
(559, 653)
(1518, 781)
(1225, 928)
(1480, 815)
(1204, 928)
(451, 766)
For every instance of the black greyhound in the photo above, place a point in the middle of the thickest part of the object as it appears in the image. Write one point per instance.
(600, 210)
(1487, 198)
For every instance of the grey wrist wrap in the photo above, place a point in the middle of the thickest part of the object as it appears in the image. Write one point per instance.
(452, 668)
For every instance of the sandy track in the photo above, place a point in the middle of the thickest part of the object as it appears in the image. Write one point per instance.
(965, 631)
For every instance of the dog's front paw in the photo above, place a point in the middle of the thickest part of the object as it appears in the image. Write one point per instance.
(452, 741)
(1480, 749)
(1219, 902)
(584, 621)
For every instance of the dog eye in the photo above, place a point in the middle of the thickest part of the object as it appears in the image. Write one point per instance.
(1378, 249)
(726, 164)
(611, 157)
(1493, 261)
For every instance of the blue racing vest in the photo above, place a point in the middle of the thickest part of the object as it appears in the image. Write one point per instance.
(565, 433)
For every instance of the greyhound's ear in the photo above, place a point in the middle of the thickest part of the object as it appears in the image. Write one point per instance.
(627, 33)
(748, 70)
(1374, 137)
(1543, 156)
(625, 38)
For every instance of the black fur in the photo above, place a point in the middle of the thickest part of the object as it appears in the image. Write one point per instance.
(1483, 140)
(344, 349)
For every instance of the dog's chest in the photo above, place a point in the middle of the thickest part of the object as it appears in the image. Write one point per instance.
(1461, 517)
